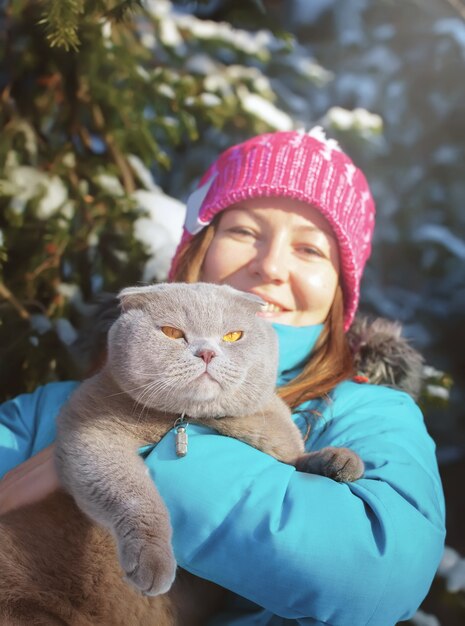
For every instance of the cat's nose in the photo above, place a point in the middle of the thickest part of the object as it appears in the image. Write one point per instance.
(206, 355)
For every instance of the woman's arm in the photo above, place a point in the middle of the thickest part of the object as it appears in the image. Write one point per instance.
(29, 482)
(303, 546)
(27, 428)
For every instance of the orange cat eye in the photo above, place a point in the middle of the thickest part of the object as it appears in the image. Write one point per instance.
(172, 333)
(235, 335)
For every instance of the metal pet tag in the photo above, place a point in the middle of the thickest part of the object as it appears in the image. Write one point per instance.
(181, 441)
(181, 437)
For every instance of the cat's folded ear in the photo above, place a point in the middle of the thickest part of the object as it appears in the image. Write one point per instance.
(254, 300)
(139, 297)
(250, 300)
(136, 297)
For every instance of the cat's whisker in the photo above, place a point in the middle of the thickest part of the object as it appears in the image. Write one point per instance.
(125, 391)
(149, 386)
(146, 390)
(148, 393)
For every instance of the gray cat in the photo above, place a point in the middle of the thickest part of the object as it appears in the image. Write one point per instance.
(177, 352)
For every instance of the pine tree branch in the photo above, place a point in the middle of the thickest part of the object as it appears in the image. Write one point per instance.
(6, 294)
(61, 22)
(117, 155)
(123, 10)
(49, 263)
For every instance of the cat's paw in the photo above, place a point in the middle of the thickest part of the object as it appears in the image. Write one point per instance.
(341, 464)
(149, 565)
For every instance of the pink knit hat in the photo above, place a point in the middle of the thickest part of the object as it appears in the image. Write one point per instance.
(294, 164)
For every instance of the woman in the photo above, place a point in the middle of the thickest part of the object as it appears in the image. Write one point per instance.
(289, 217)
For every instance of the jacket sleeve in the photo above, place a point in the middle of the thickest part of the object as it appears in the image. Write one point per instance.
(303, 546)
(27, 423)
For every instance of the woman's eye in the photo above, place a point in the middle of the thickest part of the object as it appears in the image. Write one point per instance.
(172, 333)
(235, 335)
(238, 230)
(310, 251)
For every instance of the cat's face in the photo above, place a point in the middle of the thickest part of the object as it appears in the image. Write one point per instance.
(194, 348)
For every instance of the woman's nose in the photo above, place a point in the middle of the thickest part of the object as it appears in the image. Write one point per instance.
(270, 263)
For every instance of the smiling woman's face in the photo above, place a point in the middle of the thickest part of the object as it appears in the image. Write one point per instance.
(280, 249)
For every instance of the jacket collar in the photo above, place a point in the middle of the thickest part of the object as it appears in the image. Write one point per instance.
(295, 345)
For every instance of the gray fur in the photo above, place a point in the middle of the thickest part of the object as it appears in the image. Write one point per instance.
(149, 380)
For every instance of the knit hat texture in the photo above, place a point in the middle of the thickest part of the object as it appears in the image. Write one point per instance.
(293, 164)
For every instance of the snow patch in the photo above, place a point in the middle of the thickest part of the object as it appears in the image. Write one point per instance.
(452, 569)
(28, 182)
(425, 619)
(263, 109)
(160, 231)
(435, 233)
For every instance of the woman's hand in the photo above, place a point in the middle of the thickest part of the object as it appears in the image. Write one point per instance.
(29, 482)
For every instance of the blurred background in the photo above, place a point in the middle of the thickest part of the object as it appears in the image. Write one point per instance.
(111, 110)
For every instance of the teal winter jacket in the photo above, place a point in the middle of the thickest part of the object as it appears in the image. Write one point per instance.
(292, 548)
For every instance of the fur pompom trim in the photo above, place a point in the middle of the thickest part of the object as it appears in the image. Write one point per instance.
(383, 357)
